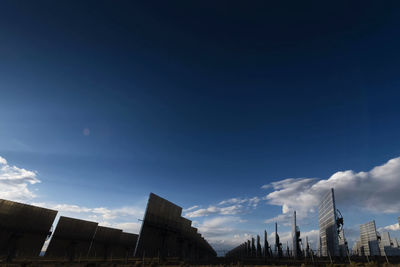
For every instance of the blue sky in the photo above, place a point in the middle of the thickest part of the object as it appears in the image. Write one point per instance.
(105, 102)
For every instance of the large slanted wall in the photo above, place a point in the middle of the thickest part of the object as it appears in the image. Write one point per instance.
(104, 243)
(126, 246)
(164, 233)
(23, 229)
(71, 238)
(160, 228)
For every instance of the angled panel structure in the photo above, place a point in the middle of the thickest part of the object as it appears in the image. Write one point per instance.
(185, 242)
(296, 241)
(328, 230)
(266, 253)
(159, 229)
(23, 229)
(105, 241)
(71, 238)
(369, 239)
(125, 246)
(259, 253)
(278, 244)
(164, 233)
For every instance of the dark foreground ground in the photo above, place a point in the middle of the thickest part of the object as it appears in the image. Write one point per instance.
(218, 262)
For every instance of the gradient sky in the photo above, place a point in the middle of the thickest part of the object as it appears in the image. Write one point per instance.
(105, 102)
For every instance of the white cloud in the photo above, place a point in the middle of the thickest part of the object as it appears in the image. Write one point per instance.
(373, 191)
(64, 207)
(125, 218)
(3, 161)
(130, 227)
(393, 227)
(280, 218)
(223, 232)
(230, 210)
(237, 206)
(15, 182)
(15, 185)
(191, 208)
(233, 201)
(266, 186)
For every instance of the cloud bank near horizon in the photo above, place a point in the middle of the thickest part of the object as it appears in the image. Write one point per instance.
(125, 218)
(15, 182)
(375, 191)
(16, 185)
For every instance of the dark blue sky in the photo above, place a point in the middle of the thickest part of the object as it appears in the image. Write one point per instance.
(197, 102)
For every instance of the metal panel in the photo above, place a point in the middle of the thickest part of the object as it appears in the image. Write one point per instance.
(369, 239)
(327, 225)
(71, 238)
(126, 245)
(104, 243)
(278, 244)
(23, 229)
(296, 249)
(165, 233)
(161, 225)
(294, 237)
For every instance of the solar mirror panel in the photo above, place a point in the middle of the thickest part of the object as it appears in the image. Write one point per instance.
(327, 225)
(71, 238)
(161, 211)
(160, 228)
(23, 229)
(166, 233)
(184, 240)
(104, 242)
(126, 245)
(186, 224)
